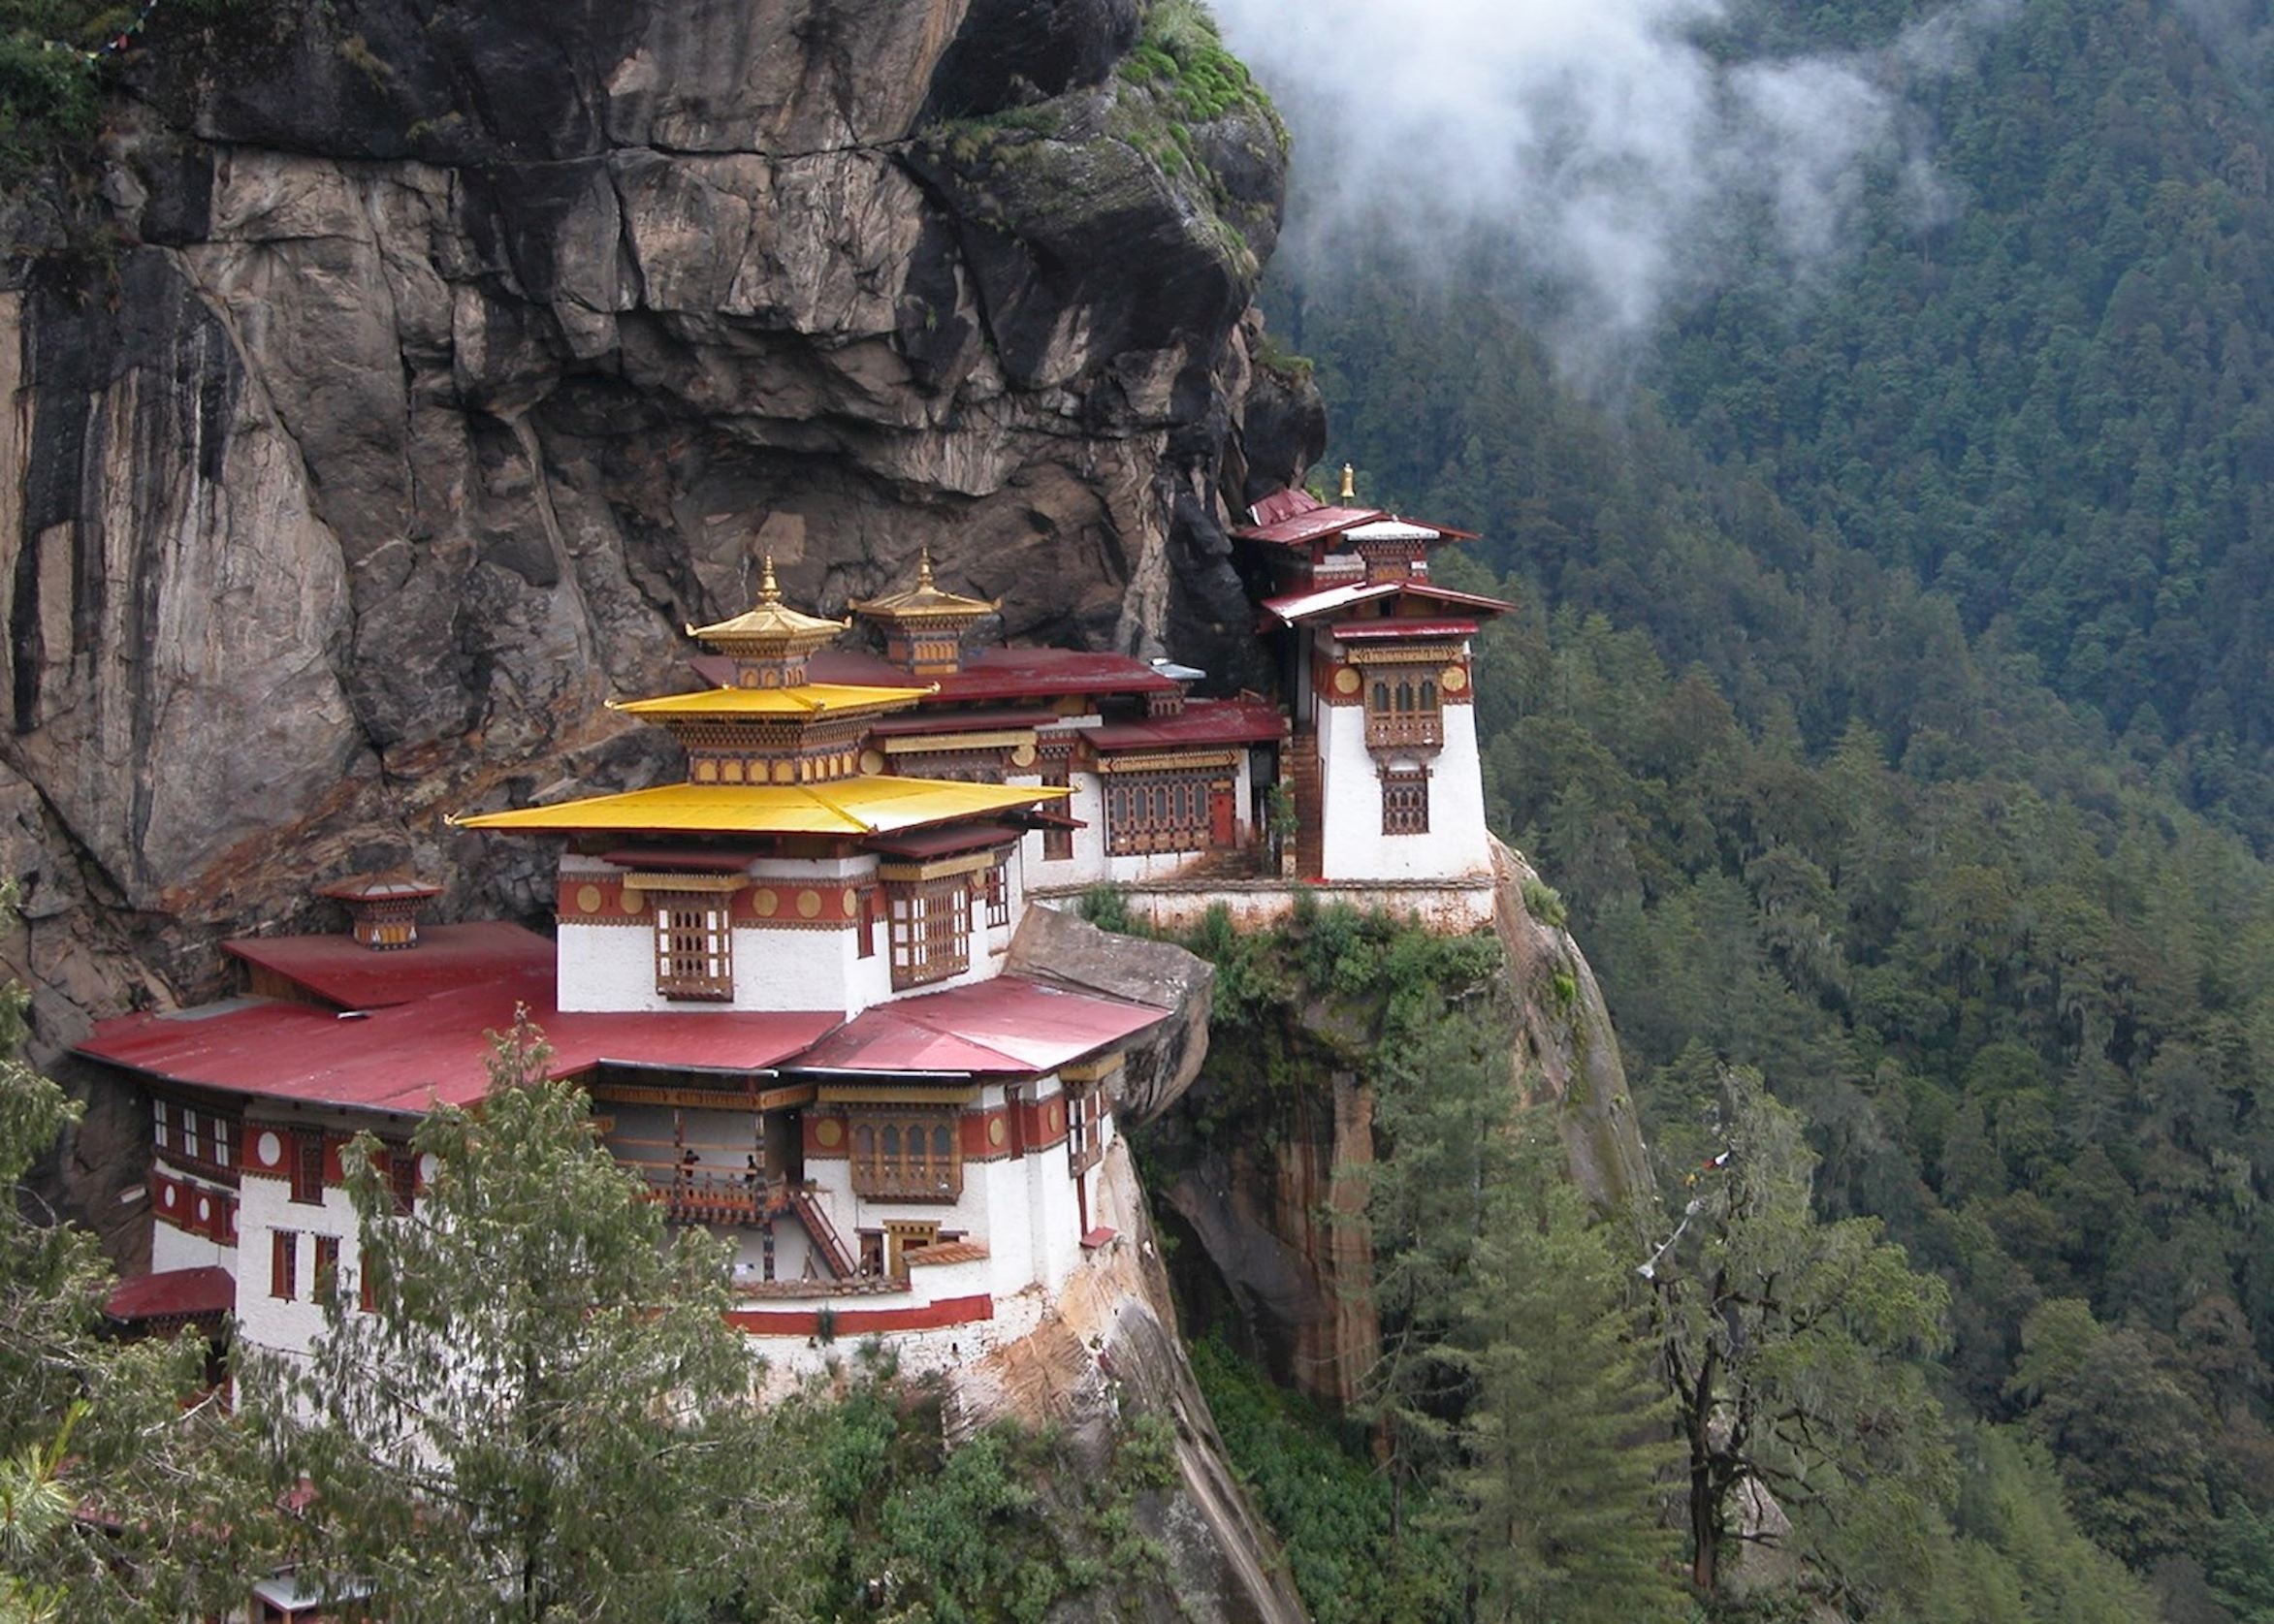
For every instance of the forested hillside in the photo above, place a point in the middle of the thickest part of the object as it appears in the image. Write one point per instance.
(1890, 705)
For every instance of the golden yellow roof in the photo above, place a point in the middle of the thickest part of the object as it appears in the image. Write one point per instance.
(808, 700)
(863, 805)
(771, 622)
(925, 601)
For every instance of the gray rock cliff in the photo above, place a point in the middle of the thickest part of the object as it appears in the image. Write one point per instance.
(417, 368)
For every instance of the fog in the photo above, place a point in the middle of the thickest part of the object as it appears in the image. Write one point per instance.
(1630, 152)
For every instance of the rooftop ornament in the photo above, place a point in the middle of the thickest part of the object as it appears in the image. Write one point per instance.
(770, 642)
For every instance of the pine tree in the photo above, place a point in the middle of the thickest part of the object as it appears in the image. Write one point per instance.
(544, 1414)
(1565, 1438)
(122, 1491)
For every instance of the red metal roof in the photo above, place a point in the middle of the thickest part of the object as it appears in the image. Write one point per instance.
(1283, 522)
(1366, 631)
(1202, 721)
(961, 721)
(1302, 528)
(1284, 504)
(1304, 606)
(377, 888)
(173, 1294)
(343, 970)
(942, 843)
(1009, 1026)
(408, 1057)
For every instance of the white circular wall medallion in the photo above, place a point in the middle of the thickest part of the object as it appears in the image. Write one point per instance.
(205, 1209)
(169, 1195)
(429, 1167)
(270, 1149)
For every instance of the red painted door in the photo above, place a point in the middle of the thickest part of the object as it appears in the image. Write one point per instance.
(1222, 816)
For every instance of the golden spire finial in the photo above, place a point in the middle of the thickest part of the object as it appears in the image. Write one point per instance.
(1349, 484)
(769, 589)
(924, 568)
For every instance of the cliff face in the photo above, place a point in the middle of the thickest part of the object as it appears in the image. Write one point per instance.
(1267, 1185)
(421, 367)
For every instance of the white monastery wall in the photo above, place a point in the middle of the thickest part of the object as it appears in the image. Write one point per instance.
(1354, 847)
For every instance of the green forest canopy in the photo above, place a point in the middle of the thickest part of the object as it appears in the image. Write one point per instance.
(1889, 700)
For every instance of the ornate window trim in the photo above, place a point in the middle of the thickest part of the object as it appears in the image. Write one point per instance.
(1149, 813)
(929, 929)
(694, 945)
(907, 1156)
(1405, 801)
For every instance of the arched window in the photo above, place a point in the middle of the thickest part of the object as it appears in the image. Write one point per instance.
(1428, 693)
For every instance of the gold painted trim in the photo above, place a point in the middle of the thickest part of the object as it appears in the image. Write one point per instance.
(945, 868)
(897, 1093)
(1091, 1070)
(729, 884)
(1167, 763)
(771, 1099)
(1412, 654)
(940, 744)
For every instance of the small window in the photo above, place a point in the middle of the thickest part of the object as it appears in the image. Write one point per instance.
(160, 1128)
(307, 1167)
(327, 1278)
(1405, 801)
(694, 948)
(284, 1265)
(999, 893)
(1057, 842)
(366, 1285)
(1085, 1143)
(930, 931)
(403, 1177)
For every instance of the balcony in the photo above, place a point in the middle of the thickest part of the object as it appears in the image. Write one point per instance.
(909, 1181)
(1405, 730)
(704, 1197)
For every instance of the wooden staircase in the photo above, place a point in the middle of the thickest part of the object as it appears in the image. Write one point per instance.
(1310, 822)
(842, 1262)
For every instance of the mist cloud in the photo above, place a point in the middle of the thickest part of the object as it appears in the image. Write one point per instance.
(1627, 160)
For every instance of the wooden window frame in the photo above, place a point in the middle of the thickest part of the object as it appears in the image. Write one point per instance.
(211, 1149)
(1085, 1139)
(403, 1178)
(1404, 710)
(1405, 801)
(1057, 842)
(694, 948)
(1148, 813)
(996, 883)
(928, 930)
(284, 1265)
(883, 1168)
(326, 1276)
(306, 1169)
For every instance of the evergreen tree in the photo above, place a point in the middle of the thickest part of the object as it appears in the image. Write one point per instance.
(1790, 1345)
(543, 1414)
(1564, 1441)
(123, 1493)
